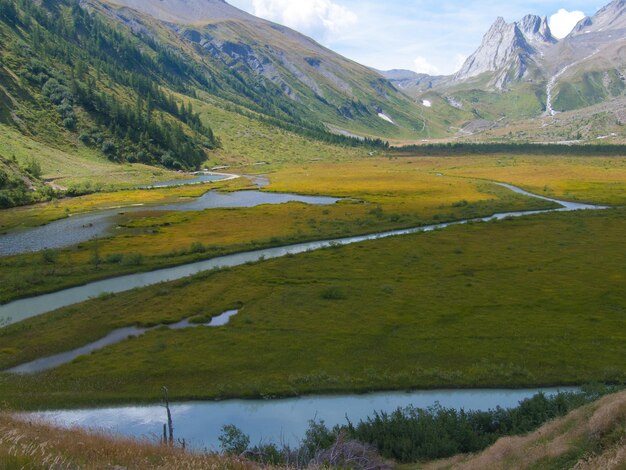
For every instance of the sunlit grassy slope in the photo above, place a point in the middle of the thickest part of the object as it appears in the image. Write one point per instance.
(36, 445)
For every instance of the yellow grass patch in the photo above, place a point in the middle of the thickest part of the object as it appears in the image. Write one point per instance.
(36, 445)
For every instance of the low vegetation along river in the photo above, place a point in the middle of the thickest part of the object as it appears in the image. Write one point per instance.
(25, 308)
(279, 421)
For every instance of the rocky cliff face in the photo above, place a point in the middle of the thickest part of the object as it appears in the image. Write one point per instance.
(509, 50)
(610, 18)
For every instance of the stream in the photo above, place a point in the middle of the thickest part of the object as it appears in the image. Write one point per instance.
(22, 309)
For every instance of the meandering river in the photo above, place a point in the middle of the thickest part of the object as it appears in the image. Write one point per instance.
(25, 308)
(279, 421)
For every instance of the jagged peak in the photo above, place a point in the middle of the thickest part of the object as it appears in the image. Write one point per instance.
(500, 23)
(536, 28)
(508, 48)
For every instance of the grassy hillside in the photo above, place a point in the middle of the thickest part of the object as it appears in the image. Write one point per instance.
(592, 437)
(95, 104)
(38, 446)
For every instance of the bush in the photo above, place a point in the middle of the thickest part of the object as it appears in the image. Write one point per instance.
(412, 434)
(33, 167)
(114, 258)
(197, 247)
(108, 148)
(50, 256)
(333, 293)
(233, 441)
(133, 259)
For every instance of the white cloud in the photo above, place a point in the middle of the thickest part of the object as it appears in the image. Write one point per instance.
(563, 21)
(421, 65)
(306, 15)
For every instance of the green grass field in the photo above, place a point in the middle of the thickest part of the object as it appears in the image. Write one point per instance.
(523, 302)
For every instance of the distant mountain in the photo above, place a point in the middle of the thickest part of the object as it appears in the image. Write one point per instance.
(273, 62)
(407, 79)
(509, 50)
(521, 74)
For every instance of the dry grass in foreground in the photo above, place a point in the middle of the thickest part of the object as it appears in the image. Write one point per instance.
(589, 438)
(38, 446)
(592, 437)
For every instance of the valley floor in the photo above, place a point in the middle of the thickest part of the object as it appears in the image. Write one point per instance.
(524, 302)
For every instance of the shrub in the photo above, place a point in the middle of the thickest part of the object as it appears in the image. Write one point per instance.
(233, 441)
(133, 259)
(33, 168)
(50, 256)
(114, 258)
(333, 293)
(197, 247)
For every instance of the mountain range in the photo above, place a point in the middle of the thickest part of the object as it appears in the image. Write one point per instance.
(174, 82)
(521, 74)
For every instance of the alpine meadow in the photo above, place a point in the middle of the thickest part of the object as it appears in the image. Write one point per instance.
(225, 245)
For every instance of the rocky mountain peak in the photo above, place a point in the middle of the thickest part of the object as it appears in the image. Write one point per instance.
(508, 48)
(536, 29)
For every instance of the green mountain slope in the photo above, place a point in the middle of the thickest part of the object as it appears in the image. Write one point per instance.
(272, 69)
(97, 99)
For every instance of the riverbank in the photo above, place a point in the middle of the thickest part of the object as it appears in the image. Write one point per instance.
(588, 437)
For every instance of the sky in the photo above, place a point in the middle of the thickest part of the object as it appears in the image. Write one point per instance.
(429, 36)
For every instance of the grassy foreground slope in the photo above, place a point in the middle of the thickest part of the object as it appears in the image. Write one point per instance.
(39, 446)
(592, 437)
(522, 302)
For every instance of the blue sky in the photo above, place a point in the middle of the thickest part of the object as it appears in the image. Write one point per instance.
(432, 36)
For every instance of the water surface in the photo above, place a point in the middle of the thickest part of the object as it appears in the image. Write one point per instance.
(278, 421)
(80, 228)
(116, 336)
(199, 178)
